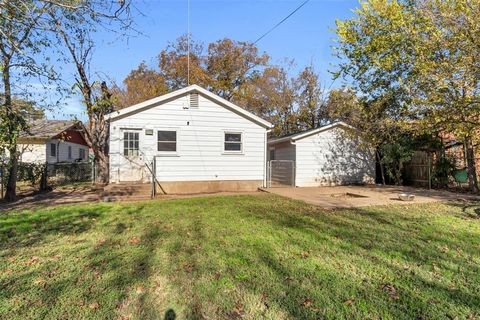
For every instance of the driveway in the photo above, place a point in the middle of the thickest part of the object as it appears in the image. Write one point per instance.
(360, 196)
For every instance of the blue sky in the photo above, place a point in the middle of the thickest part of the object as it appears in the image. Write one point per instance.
(306, 37)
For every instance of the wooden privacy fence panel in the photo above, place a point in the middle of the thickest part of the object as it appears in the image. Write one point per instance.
(418, 171)
(281, 173)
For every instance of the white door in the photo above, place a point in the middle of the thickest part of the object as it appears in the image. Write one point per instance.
(132, 165)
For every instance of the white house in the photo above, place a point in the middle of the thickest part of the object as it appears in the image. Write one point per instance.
(193, 140)
(52, 141)
(331, 155)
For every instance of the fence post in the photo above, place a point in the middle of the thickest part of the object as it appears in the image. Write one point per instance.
(269, 182)
(1, 181)
(429, 173)
(44, 178)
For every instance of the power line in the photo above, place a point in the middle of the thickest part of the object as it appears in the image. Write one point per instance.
(284, 19)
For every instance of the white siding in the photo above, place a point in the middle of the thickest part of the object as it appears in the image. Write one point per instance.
(200, 140)
(333, 157)
(62, 151)
(32, 153)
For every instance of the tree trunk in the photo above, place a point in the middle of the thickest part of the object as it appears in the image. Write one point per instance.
(11, 191)
(382, 173)
(102, 168)
(471, 170)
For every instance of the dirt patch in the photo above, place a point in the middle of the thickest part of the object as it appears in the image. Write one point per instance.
(56, 197)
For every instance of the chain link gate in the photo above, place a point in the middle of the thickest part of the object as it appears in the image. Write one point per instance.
(281, 173)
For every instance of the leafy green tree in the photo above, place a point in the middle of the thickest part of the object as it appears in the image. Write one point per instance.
(310, 98)
(21, 42)
(422, 54)
(230, 65)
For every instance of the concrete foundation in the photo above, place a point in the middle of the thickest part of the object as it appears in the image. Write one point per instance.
(192, 187)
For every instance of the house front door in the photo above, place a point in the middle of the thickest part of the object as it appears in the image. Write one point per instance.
(132, 165)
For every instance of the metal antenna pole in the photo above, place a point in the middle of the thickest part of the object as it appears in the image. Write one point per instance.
(188, 42)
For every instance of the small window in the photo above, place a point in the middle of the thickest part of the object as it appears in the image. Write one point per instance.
(272, 154)
(53, 149)
(81, 153)
(233, 142)
(69, 152)
(167, 141)
(130, 144)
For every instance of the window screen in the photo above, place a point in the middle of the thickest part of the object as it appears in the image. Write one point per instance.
(167, 141)
(233, 142)
(130, 143)
(69, 152)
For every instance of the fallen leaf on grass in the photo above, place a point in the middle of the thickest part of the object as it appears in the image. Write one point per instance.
(238, 311)
(40, 282)
(349, 302)
(94, 306)
(189, 267)
(304, 254)
(134, 240)
(307, 303)
(33, 260)
(391, 290)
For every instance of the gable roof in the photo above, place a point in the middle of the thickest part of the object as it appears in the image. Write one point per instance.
(304, 134)
(190, 89)
(47, 129)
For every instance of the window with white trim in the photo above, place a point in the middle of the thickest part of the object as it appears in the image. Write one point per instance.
(131, 141)
(69, 152)
(167, 140)
(232, 142)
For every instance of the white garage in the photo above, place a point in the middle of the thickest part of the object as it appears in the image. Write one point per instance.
(326, 156)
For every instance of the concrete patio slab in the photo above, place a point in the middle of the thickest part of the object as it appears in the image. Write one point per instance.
(360, 196)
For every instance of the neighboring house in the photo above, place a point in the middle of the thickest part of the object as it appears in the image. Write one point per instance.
(194, 141)
(52, 141)
(329, 155)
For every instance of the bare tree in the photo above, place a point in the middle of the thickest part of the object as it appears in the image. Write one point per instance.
(73, 27)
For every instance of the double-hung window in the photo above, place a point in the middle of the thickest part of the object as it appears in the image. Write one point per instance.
(233, 142)
(131, 143)
(167, 140)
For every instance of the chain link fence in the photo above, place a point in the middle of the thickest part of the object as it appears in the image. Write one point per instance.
(281, 173)
(43, 176)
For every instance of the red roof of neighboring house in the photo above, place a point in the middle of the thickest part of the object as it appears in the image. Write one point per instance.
(44, 129)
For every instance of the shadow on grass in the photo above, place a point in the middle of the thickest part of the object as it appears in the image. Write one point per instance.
(219, 253)
(29, 228)
(381, 239)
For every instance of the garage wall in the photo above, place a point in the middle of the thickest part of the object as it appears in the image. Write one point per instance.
(283, 151)
(333, 157)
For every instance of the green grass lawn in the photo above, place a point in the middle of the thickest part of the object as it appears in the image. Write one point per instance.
(246, 257)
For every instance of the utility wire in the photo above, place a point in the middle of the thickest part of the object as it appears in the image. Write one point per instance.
(284, 19)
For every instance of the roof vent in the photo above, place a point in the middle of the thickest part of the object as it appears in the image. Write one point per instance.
(193, 100)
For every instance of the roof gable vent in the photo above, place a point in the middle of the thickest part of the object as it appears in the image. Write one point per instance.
(193, 100)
